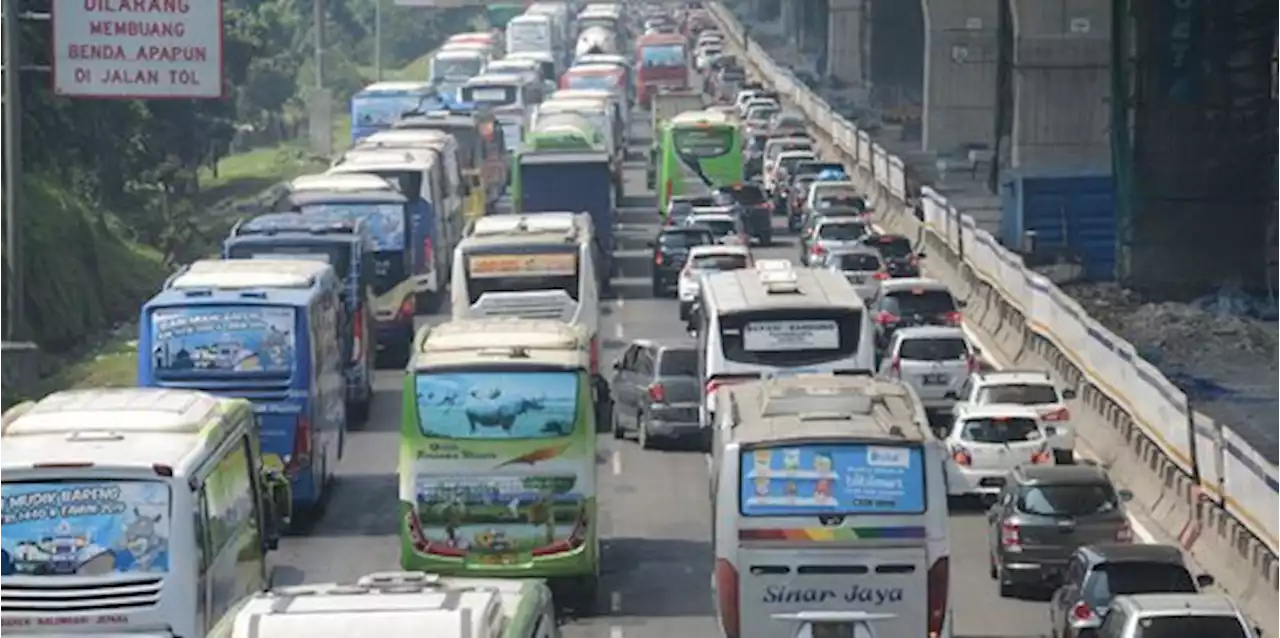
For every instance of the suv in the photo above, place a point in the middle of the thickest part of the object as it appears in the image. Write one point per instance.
(1043, 514)
(1034, 388)
(670, 250)
(913, 301)
(899, 258)
(1175, 616)
(656, 391)
(1095, 574)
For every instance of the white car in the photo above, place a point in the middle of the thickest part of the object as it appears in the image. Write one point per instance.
(1031, 388)
(726, 227)
(704, 260)
(934, 360)
(744, 96)
(823, 189)
(707, 57)
(986, 442)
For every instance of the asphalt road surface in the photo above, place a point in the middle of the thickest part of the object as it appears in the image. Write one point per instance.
(654, 510)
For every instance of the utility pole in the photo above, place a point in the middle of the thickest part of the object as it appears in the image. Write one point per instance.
(15, 328)
(318, 12)
(377, 39)
(320, 107)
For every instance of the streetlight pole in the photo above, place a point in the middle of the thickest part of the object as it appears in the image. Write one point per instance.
(377, 39)
(15, 327)
(318, 14)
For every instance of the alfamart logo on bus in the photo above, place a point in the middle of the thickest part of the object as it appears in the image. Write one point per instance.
(139, 49)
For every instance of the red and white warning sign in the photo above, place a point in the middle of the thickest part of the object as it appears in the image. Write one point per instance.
(140, 49)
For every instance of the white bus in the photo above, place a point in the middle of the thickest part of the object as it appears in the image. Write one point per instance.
(828, 495)
(537, 266)
(775, 317)
(132, 509)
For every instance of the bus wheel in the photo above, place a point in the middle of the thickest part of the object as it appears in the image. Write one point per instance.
(585, 595)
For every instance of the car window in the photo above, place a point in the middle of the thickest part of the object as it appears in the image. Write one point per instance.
(1019, 394)
(858, 262)
(685, 239)
(843, 231)
(1000, 430)
(893, 247)
(917, 301)
(1131, 577)
(1067, 500)
(934, 349)
(678, 363)
(1190, 627)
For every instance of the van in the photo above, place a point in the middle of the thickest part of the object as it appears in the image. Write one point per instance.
(136, 509)
(266, 330)
(398, 604)
(345, 244)
(827, 494)
(480, 152)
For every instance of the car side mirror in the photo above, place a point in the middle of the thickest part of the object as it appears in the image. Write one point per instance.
(604, 404)
(921, 255)
(1125, 495)
(1068, 394)
(1204, 580)
(960, 303)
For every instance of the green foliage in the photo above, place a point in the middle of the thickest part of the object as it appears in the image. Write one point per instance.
(117, 191)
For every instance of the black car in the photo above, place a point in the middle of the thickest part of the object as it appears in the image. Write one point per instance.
(912, 301)
(792, 194)
(753, 156)
(899, 258)
(753, 206)
(670, 250)
(656, 391)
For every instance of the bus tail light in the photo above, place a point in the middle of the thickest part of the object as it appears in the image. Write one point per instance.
(939, 581)
(595, 355)
(657, 393)
(357, 337)
(301, 447)
(1010, 536)
(727, 597)
(428, 252)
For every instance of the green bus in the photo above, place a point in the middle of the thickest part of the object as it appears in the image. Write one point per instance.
(699, 151)
(497, 467)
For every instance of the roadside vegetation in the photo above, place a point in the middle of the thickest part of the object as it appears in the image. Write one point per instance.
(118, 193)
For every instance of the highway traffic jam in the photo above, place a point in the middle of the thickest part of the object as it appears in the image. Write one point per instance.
(584, 336)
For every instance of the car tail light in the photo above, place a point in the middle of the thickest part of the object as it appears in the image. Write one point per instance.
(1082, 612)
(1124, 534)
(667, 189)
(961, 456)
(895, 367)
(954, 318)
(357, 336)
(973, 364)
(1060, 414)
(407, 308)
(768, 205)
(301, 447)
(886, 318)
(727, 597)
(1041, 457)
(1010, 536)
(658, 393)
(657, 259)
(818, 249)
(880, 275)
(939, 582)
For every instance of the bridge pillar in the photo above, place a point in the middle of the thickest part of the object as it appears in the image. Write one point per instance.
(960, 68)
(1061, 83)
(848, 28)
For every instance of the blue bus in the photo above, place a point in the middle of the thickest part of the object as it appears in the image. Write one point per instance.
(345, 244)
(266, 331)
(396, 225)
(378, 106)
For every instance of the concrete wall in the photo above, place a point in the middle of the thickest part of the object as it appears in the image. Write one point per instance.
(960, 66)
(1061, 83)
(846, 44)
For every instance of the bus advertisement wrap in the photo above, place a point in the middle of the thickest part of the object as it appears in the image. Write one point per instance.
(242, 339)
(384, 221)
(826, 480)
(549, 265)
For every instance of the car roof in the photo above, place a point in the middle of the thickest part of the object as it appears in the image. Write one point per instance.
(823, 219)
(997, 410)
(1012, 377)
(1133, 553)
(713, 216)
(854, 250)
(1060, 475)
(909, 283)
(930, 332)
(719, 249)
(667, 343)
(1206, 604)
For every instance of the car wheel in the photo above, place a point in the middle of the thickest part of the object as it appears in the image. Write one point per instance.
(1007, 589)
(991, 566)
(618, 432)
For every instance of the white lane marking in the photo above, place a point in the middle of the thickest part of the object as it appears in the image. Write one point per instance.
(615, 601)
(615, 632)
(1139, 530)
(617, 331)
(617, 462)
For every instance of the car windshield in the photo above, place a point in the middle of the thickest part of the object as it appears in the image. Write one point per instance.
(857, 262)
(678, 363)
(685, 238)
(1000, 430)
(1134, 577)
(919, 301)
(843, 231)
(1019, 394)
(719, 262)
(719, 227)
(933, 349)
(1068, 500)
(1182, 626)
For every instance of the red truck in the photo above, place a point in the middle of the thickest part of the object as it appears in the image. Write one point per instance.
(662, 60)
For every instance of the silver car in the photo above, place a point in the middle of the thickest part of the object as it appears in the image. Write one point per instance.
(826, 234)
(862, 266)
(935, 360)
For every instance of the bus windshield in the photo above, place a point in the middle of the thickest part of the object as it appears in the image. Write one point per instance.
(492, 96)
(662, 55)
(832, 480)
(592, 81)
(337, 254)
(548, 270)
(703, 142)
(788, 337)
(224, 340)
(502, 404)
(384, 221)
(85, 528)
(456, 67)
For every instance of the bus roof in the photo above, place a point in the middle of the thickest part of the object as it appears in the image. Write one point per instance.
(503, 341)
(372, 158)
(499, 78)
(825, 406)
(772, 285)
(702, 118)
(396, 88)
(239, 274)
(566, 228)
(119, 427)
(272, 224)
(341, 182)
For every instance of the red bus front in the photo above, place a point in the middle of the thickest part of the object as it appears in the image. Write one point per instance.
(661, 62)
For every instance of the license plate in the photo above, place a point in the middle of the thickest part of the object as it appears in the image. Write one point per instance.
(936, 379)
(498, 559)
(857, 279)
(991, 481)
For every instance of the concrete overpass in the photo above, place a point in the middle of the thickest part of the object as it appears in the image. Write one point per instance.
(933, 66)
